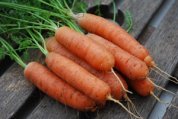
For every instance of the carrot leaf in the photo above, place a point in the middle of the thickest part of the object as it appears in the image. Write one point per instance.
(128, 22)
(2, 53)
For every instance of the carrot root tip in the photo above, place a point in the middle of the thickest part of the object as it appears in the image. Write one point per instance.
(162, 73)
(161, 87)
(125, 108)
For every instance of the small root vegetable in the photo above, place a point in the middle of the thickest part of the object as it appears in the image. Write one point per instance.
(78, 77)
(56, 88)
(130, 66)
(114, 33)
(49, 83)
(142, 87)
(94, 54)
(146, 87)
(84, 48)
(81, 79)
(116, 89)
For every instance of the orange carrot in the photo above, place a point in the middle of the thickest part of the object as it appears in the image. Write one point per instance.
(78, 77)
(129, 65)
(84, 48)
(81, 79)
(116, 89)
(114, 33)
(142, 87)
(55, 87)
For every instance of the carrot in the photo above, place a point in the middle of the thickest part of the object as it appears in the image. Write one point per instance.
(84, 48)
(49, 83)
(142, 87)
(55, 87)
(94, 54)
(146, 87)
(81, 79)
(114, 33)
(116, 89)
(129, 65)
(117, 35)
(78, 77)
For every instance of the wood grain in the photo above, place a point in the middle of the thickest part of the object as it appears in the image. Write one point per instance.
(14, 91)
(49, 108)
(92, 3)
(141, 11)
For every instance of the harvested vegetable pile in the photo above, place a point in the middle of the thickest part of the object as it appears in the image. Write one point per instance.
(80, 68)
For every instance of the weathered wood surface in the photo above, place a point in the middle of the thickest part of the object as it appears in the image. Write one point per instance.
(171, 23)
(14, 91)
(172, 112)
(92, 3)
(142, 11)
(49, 108)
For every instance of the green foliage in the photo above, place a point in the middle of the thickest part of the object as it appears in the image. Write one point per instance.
(79, 6)
(10, 51)
(2, 53)
(25, 57)
(128, 22)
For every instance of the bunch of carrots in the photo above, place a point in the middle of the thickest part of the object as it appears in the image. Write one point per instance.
(79, 69)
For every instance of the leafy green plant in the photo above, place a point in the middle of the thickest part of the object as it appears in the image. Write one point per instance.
(128, 22)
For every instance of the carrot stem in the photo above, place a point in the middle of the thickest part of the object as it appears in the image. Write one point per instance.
(12, 53)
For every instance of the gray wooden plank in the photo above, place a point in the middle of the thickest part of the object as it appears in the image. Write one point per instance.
(14, 91)
(142, 11)
(163, 46)
(171, 112)
(92, 3)
(49, 108)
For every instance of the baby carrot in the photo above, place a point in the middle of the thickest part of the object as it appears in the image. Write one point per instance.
(79, 44)
(129, 65)
(56, 88)
(116, 89)
(114, 33)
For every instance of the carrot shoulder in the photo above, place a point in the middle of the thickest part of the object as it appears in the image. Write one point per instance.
(129, 65)
(55, 87)
(116, 89)
(84, 48)
(114, 33)
(78, 77)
